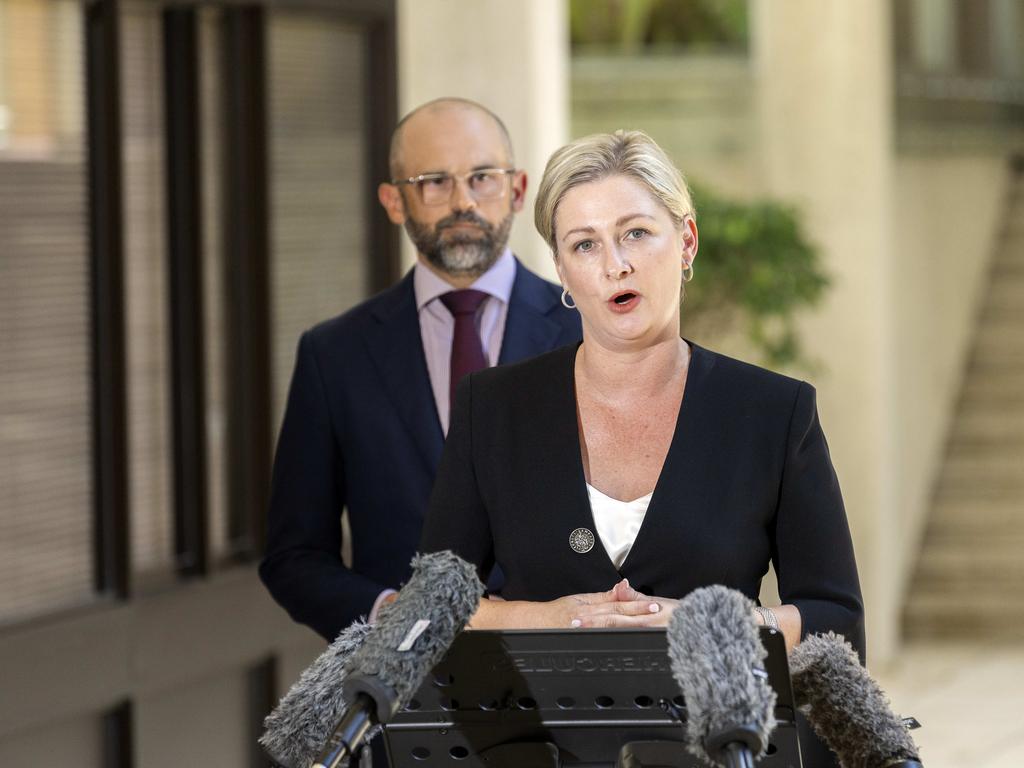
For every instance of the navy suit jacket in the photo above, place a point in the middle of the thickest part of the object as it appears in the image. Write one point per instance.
(361, 431)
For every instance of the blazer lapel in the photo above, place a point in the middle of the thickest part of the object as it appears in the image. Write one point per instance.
(674, 494)
(529, 330)
(395, 346)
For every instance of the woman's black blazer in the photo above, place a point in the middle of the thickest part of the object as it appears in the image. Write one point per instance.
(747, 480)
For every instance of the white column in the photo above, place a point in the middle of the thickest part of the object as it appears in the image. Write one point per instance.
(513, 57)
(825, 93)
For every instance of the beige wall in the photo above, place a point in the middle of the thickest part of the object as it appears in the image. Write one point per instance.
(511, 57)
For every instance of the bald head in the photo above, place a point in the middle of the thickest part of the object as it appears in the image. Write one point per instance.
(440, 114)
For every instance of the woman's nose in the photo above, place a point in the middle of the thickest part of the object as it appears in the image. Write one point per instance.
(618, 265)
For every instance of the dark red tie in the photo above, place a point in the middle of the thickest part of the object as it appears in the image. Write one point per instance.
(467, 351)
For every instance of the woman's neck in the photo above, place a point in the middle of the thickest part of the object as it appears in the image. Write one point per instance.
(612, 374)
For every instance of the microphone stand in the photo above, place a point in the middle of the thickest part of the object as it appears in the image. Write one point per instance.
(373, 702)
(348, 736)
(737, 755)
(735, 747)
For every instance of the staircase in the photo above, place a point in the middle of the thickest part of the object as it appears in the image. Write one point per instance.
(969, 582)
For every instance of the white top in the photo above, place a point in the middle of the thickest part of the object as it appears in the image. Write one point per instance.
(617, 522)
(437, 326)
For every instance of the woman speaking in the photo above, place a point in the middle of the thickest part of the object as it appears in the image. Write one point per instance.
(610, 479)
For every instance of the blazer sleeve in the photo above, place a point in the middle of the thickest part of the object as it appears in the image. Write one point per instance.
(302, 565)
(457, 518)
(812, 548)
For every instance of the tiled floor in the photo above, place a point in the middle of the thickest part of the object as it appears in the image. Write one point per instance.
(969, 698)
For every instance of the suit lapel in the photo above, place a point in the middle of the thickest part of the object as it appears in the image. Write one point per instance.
(529, 330)
(395, 346)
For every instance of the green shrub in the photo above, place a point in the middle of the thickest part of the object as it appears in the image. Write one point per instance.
(754, 266)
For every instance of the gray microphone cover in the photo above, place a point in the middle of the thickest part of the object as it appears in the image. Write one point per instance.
(718, 660)
(305, 716)
(845, 706)
(409, 637)
(414, 632)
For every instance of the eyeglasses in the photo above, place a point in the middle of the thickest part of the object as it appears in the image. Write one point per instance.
(437, 188)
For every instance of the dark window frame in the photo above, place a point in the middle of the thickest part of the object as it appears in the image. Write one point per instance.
(106, 259)
(185, 285)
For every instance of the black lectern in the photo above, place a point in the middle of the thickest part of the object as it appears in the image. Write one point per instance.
(545, 699)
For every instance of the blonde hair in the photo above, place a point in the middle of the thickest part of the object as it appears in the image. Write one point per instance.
(595, 157)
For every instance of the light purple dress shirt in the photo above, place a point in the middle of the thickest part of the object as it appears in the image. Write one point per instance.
(437, 326)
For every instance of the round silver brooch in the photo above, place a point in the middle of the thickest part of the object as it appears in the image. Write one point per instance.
(581, 540)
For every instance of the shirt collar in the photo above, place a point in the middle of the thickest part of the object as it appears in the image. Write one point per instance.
(496, 281)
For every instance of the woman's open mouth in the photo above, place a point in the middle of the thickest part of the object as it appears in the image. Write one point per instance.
(624, 301)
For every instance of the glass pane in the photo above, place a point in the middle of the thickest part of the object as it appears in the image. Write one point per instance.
(45, 408)
(147, 334)
(317, 153)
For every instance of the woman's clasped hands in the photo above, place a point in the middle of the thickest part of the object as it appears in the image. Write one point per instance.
(621, 606)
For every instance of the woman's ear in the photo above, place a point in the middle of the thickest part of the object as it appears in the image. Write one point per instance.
(690, 239)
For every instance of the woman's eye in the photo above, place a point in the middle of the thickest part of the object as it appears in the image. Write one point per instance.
(584, 246)
(636, 234)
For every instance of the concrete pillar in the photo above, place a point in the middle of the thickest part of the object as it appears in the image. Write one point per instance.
(512, 57)
(824, 75)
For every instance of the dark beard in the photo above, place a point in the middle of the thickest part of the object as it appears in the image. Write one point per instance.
(462, 254)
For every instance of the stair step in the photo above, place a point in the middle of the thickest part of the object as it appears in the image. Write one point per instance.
(1002, 389)
(975, 438)
(1007, 312)
(999, 617)
(989, 355)
(1000, 363)
(981, 416)
(1007, 603)
(994, 456)
(1006, 288)
(1011, 242)
(1005, 338)
(985, 467)
(948, 492)
(951, 562)
(969, 519)
(1010, 263)
(1001, 317)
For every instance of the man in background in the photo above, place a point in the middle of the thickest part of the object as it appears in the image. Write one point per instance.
(371, 393)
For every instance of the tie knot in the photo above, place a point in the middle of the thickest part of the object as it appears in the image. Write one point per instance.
(464, 302)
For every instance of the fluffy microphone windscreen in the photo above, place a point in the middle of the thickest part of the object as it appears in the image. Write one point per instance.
(409, 637)
(718, 660)
(845, 706)
(414, 632)
(303, 719)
